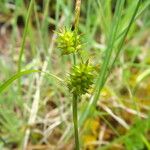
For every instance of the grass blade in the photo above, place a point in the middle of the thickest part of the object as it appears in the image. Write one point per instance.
(15, 77)
(24, 35)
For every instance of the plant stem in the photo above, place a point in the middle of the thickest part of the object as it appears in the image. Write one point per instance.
(76, 24)
(75, 97)
(75, 121)
(77, 14)
(24, 39)
(24, 35)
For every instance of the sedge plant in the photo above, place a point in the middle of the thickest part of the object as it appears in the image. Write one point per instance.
(115, 43)
(81, 76)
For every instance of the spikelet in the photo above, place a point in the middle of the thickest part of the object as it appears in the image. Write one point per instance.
(68, 41)
(81, 78)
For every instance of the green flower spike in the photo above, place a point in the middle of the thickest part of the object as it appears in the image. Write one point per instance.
(81, 78)
(68, 41)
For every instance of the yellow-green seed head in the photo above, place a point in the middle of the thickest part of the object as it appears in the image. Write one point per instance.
(81, 78)
(68, 41)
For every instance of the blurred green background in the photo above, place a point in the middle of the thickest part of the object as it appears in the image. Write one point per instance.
(35, 112)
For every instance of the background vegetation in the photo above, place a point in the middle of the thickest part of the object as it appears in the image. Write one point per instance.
(35, 110)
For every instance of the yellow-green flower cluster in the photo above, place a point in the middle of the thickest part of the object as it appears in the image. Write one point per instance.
(68, 41)
(81, 78)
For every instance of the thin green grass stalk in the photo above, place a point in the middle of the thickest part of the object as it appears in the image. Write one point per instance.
(92, 24)
(44, 25)
(125, 35)
(57, 14)
(105, 19)
(77, 14)
(88, 16)
(38, 26)
(14, 27)
(76, 24)
(69, 15)
(24, 35)
(141, 10)
(113, 32)
(122, 42)
(75, 97)
(18, 75)
(74, 59)
(24, 38)
(109, 125)
(147, 143)
(31, 35)
(131, 131)
(14, 77)
(45, 15)
(120, 46)
(75, 120)
(104, 74)
(104, 69)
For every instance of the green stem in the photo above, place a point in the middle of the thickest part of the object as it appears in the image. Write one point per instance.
(75, 121)
(76, 23)
(24, 35)
(24, 39)
(75, 97)
(74, 58)
(77, 14)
